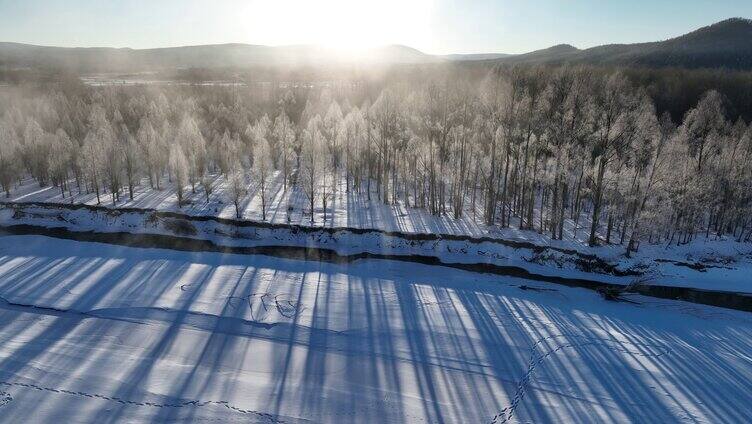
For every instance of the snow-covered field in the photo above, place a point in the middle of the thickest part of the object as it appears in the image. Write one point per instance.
(102, 333)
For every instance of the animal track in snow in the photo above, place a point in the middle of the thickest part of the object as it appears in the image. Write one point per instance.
(260, 304)
(537, 357)
(5, 398)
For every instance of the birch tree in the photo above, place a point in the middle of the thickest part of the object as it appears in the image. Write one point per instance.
(179, 171)
(9, 156)
(312, 163)
(262, 173)
(238, 187)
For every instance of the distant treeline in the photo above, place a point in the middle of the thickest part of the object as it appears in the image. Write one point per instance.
(676, 91)
(673, 90)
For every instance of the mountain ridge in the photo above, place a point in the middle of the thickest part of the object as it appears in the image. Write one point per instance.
(724, 44)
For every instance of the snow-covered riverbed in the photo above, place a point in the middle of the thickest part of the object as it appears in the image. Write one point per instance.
(710, 265)
(100, 333)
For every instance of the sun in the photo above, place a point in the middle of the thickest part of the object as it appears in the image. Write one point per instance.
(339, 24)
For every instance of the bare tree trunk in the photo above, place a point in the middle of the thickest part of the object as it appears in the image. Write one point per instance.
(597, 201)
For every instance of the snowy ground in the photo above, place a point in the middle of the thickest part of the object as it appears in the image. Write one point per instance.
(101, 333)
(353, 210)
(349, 209)
(731, 262)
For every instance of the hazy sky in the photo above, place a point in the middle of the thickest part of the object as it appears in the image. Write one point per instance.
(434, 26)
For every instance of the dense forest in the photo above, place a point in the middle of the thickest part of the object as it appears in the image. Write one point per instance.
(617, 152)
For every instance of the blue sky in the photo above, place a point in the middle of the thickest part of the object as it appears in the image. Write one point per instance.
(434, 26)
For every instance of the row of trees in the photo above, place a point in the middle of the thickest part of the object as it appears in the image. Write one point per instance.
(530, 147)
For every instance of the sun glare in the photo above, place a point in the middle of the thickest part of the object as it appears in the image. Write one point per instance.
(343, 25)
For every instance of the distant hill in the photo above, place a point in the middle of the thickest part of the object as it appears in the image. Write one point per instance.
(726, 44)
(558, 53)
(474, 56)
(102, 59)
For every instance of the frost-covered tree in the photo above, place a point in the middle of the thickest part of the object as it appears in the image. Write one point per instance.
(614, 114)
(331, 127)
(60, 160)
(179, 170)
(150, 150)
(9, 156)
(36, 151)
(194, 148)
(262, 172)
(312, 162)
(131, 159)
(702, 126)
(354, 135)
(389, 131)
(254, 134)
(238, 187)
(91, 160)
(284, 133)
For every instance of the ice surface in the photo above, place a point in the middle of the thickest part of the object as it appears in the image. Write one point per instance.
(101, 333)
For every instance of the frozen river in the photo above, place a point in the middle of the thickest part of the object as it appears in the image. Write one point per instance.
(101, 333)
